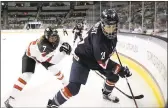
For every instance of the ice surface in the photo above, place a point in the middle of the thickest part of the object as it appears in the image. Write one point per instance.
(43, 85)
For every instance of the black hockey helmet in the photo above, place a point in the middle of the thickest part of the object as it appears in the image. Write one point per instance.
(109, 20)
(51, 34)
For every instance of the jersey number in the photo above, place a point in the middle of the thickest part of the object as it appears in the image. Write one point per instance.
(103, 55)
(44, 47)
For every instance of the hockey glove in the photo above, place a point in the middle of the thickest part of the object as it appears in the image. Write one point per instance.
(72, 31)
(124, 72)
(65, 47)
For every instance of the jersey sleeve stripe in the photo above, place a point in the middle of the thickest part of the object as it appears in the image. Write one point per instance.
(62, 76)
(18, 87)
(49, 59)
(22, 81)
(28, 50)
(117, 69)
(58, 74)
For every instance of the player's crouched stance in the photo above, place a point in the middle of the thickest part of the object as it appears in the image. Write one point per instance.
(94, 54)
(48, 51)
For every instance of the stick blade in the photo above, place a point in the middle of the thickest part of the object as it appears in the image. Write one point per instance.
(139, 97)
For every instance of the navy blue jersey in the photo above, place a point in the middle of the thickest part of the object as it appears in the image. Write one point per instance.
(78, 30)
(96, 49)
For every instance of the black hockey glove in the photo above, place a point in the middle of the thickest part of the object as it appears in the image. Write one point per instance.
(124, 71)
(72, 31)
(65, 47)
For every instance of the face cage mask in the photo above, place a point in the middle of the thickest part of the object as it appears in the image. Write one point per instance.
(110, 31)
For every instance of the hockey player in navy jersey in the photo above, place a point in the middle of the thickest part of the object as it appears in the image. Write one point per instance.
(94, 54)
(48, 51)
(78, 29)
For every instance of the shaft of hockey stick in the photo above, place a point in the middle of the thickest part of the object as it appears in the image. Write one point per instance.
(136, 97)
(127, 82)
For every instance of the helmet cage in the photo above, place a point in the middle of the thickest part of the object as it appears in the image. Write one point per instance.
(53, 33)
(109, 29)
(109, 21)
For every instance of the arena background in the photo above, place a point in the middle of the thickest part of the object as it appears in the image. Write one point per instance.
(135, 16)
(141, 23)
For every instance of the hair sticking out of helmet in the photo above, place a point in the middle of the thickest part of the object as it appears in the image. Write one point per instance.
(51, 34)
(109, 21)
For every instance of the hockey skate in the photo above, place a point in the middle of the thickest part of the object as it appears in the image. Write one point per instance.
(51, 104)
(109, 97)
(7, 104)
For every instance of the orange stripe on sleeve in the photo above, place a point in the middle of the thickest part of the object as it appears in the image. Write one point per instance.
(22, 81)
(49, 59)
(18, 87)
(58, 74)
(34, 42)
(61, 77)
(28, 50)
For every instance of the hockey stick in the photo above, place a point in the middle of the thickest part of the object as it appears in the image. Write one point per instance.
(102, 76)
(136, 97)
(127, 81)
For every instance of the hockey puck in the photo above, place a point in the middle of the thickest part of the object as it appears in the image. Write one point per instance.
(116, 100)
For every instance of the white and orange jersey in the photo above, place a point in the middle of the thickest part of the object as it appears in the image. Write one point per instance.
(53, 57)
